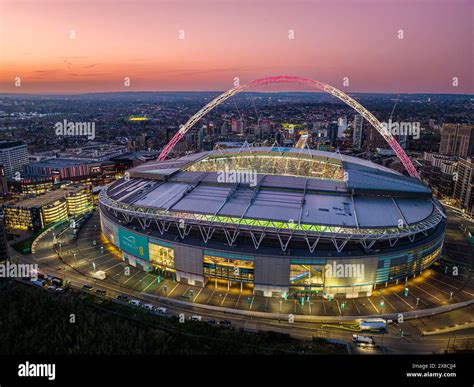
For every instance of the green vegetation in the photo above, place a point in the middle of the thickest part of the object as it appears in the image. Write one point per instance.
(35, 321)
(24, 246)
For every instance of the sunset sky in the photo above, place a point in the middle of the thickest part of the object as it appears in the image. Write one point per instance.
(224, 39)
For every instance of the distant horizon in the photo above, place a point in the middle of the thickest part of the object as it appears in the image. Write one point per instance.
(53, 47)
(222, 91)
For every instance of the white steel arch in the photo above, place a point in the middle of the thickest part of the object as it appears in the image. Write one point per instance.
(309, 82)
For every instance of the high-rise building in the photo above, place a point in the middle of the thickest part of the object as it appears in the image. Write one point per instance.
(241, 127)
(224, 128)
(464, 185)
(438, 171)
(3, 182)
(332, 132)
(234, 125)
(13, 156)
(357, 131)
(457, 140)
(375, 139)
(201, 136)
(341, 126)
(265, 127)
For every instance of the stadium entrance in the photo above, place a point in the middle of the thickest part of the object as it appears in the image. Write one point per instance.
(230, 269)
(306, 278)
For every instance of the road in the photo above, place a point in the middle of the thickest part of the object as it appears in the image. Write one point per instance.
(432, 289)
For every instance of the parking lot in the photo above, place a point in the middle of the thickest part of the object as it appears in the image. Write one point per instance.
(92, 252)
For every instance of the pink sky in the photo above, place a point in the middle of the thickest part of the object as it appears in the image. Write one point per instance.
(235, 38)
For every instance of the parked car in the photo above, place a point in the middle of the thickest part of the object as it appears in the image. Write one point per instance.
(135, 302)
(148, 306)
(52, 288)
(39, 283)
(225, 323)
(57, 281)
(122, 297)
(363, 341)
(161, 310)
(60, 290)
(87, 287)
(196, 318)
(101, 292)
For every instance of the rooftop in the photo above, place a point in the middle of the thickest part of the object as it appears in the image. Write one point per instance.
(337, 190)
(59, 163)
(10, 144)
(47, 198)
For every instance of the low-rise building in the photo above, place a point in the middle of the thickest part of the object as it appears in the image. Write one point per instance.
(35, 213)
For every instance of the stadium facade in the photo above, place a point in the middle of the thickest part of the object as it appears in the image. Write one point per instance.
(282, 220)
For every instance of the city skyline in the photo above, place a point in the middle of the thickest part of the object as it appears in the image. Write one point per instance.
(185, 46)
(236, 178)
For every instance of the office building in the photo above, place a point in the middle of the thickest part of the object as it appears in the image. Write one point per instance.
(13, 157)
(464, 185)
(357, 131)
(457, 140)
(37, 212)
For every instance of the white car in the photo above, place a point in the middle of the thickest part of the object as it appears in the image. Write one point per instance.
(196, 318)
(363, 341)
(161, 310)
(148, 306)
(135, 302)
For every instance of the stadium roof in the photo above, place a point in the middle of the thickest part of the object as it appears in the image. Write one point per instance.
(191, 185)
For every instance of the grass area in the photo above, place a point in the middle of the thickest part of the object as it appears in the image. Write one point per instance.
(35, 321)
(24, 246)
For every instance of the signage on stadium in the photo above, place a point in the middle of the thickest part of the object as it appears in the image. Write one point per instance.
(134, 244)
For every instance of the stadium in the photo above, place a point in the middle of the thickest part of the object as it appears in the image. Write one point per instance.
(278, 220)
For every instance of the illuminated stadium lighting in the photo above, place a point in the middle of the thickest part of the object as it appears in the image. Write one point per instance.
(308, 210)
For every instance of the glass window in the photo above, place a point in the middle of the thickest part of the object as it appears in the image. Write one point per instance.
(306, 275)
(161, 256)
(231, 269)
